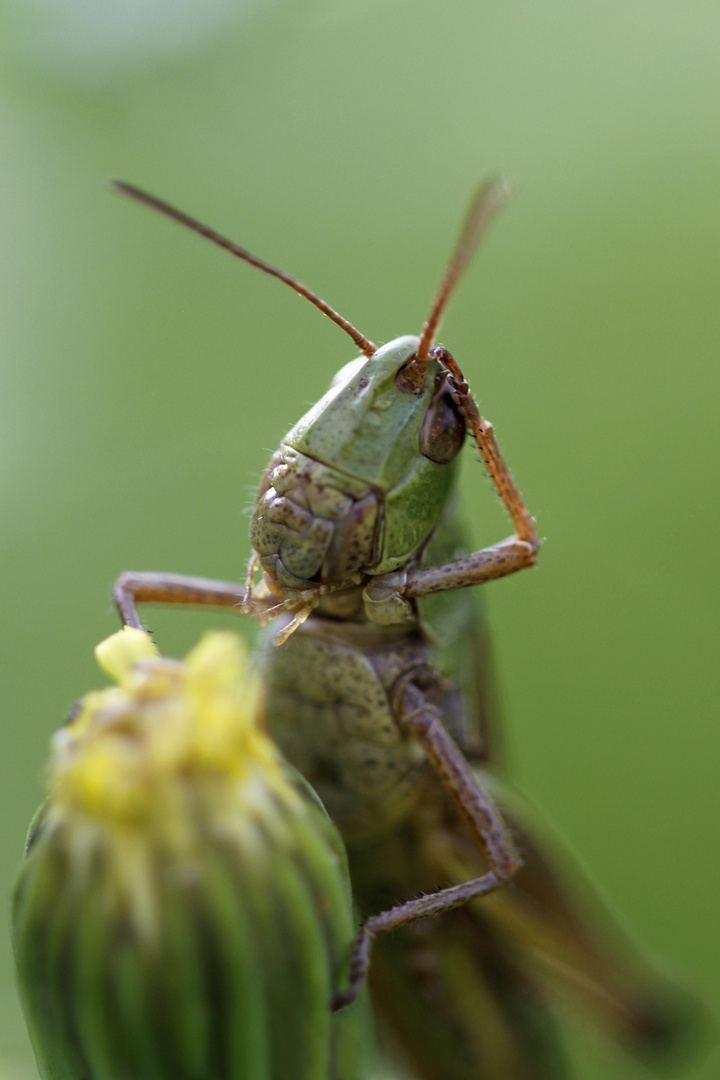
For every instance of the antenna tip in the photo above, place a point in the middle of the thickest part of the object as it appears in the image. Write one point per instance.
(506, 186)
(495, 191)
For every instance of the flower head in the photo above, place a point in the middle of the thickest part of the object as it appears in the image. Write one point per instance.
(183, 910)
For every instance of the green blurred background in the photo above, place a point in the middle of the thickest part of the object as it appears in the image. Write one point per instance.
(145, 377)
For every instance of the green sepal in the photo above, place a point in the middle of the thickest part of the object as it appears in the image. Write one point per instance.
(43, 918)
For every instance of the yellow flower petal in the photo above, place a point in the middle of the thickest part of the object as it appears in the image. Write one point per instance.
(117, 654)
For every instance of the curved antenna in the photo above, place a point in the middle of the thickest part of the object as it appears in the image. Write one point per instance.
(492, 194)
(365, 346)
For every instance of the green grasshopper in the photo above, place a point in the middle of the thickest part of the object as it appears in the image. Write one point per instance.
(379, 694)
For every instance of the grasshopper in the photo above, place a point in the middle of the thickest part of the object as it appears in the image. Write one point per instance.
(378, 694)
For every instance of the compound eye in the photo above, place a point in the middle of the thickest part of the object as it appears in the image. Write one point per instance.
(443, 428)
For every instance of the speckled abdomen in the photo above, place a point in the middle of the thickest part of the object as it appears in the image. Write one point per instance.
(328, 709)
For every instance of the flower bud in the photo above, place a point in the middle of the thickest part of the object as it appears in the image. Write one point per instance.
(183, 911)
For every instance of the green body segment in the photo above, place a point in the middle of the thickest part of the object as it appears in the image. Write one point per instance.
(349, 489)
(329, 710)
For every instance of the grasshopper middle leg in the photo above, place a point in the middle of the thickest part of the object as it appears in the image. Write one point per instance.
(483, 819)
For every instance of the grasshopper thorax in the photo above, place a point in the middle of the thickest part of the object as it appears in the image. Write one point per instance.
(360, 482)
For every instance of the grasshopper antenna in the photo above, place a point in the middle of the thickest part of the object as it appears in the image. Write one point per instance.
(488, 199)
(492, 194)
(365, 346)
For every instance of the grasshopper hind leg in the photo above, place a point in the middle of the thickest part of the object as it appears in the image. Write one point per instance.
(457, 1003)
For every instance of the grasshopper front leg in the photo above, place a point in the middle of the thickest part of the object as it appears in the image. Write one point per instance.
(132, 588)
(385, 596)
(484, 821)
(148, 587)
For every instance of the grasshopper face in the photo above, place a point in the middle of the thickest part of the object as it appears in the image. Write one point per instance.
(361, 481)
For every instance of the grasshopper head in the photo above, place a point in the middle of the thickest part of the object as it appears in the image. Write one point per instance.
(361, 481)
